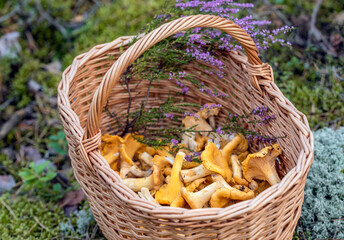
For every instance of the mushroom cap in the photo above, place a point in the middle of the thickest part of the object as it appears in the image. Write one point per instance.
(243, 145)
(206, 112)
(169, 192)
(242, 156)
(261, 165)
(144, 148)
(195, 184)
(165, 152)
(128, 149)
(178, 202)
(109, 149)
(199, 124)
(157, 177)
(229, 148)
(188, 165)
(223, 195)
(220, 198)
(201, 141)
(161, 161)
(212, 160)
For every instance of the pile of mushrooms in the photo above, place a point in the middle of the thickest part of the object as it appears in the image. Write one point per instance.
(227, 174)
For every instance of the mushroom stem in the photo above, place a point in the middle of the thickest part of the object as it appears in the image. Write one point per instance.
(146, 158)
(179, 201)
(136, 184)
(229, 148)
(200, 198)
(145, 194)
(219, 199)
(221, 181)
(169, 192)
(253, 185)
(192, 174)
(272, 176)
(135, 170)
(237, 174)
(189, 141)
(212, 121)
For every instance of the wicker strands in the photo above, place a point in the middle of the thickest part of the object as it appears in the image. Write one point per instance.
(90, 83)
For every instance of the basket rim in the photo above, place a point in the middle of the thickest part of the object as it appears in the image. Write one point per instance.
(244, 207)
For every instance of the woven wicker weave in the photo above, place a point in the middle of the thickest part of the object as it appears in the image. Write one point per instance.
(91, 82)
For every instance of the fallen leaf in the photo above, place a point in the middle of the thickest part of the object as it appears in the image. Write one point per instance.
(7, 182)
(72, 198)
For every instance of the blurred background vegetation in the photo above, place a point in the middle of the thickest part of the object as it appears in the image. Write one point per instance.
(40, 38)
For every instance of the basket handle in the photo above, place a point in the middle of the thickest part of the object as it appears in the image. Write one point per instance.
(131, 54)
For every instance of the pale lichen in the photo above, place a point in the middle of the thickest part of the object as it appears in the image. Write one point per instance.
(323, 208)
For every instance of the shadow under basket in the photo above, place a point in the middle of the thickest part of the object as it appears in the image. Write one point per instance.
(89, 90)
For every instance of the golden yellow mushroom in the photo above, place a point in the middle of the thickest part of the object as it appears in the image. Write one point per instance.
(200, 198)
(109, 149)
(213, 160)
(169, 192)
(261, 165)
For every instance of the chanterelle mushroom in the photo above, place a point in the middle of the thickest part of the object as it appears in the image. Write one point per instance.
(201, 141)
(161, 161)
(127, 152)
(169, 192)
(188, 139)
(210, 113)
(110, 149)
(242, 156)
(136, 184)
(261, 165)
(237, 173)
(146, 159)
(212, 160)
(200, 198)
(238, 143)
(223, 196)
(179, 201)
(165, 152)
(192, 174)
(153, 181)
(199, 124)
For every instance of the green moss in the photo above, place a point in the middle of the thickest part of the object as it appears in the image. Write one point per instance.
(33, 219)
(123, 18)
(7, 166)
(309, 84)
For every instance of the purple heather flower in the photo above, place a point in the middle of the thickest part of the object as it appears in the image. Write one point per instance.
(169, 115)
(188, 158)
(197, 45)
(196, 154)
(174, 141)
(179, 84)
(219, 131)
(185, 90)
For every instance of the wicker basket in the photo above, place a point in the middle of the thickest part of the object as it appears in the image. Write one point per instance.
(91, 82)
